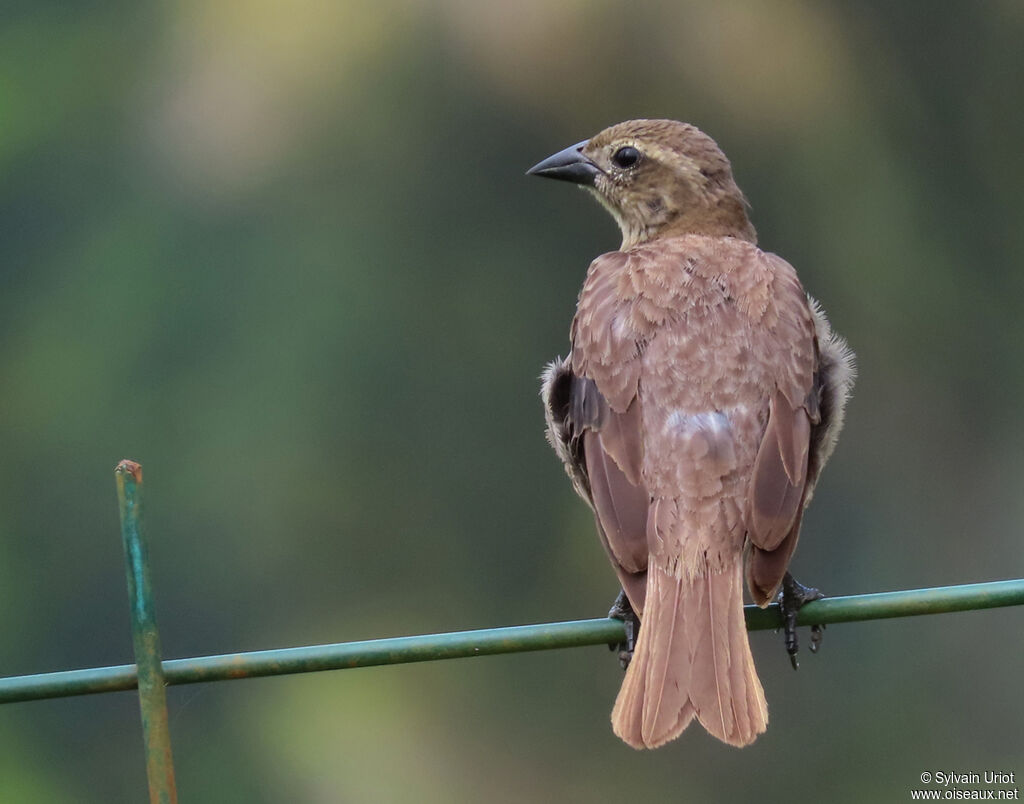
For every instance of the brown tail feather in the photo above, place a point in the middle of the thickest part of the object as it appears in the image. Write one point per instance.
(692, 659)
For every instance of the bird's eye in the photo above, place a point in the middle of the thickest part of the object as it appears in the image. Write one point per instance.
(626, 157)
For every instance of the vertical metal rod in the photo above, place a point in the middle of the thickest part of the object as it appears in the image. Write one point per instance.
(145, 638)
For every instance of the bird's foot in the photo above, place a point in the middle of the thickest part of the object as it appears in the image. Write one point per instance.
(792, 598)
(622, 610)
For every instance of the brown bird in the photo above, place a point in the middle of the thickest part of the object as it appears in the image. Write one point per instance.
(703, 393)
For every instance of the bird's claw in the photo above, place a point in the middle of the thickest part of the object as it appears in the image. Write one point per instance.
(793, 596)
(622, 610)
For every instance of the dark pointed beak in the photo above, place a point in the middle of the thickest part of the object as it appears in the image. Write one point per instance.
(568, 165)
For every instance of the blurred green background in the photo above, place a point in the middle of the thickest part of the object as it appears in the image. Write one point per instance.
(284, 255)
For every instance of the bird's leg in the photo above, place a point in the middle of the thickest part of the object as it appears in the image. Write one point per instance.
(622, 610)
(791, 599)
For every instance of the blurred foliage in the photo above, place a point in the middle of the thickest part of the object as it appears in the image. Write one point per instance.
(284, 255)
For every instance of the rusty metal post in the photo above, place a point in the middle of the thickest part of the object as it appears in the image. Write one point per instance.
(145, 638)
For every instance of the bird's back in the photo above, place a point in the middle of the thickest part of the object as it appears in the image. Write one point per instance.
(699, 331)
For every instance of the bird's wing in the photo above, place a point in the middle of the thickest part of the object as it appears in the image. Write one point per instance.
(596, 428)
(620, 498)
(602, 452)
(779, 481)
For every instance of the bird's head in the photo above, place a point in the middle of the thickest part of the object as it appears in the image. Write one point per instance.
(657, 178)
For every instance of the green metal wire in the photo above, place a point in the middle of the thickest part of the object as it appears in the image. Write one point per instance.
(492, 641)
